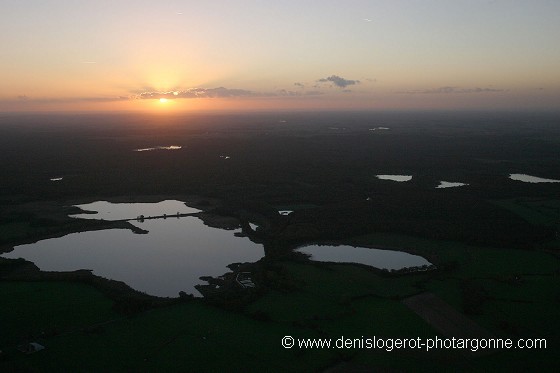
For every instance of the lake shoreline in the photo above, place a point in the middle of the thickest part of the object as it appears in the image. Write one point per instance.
(72, 225)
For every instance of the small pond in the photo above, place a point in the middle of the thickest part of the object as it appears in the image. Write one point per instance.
(399, 178)
(378, 258)
(167, 147)
(448, 184)
(285, 212)
(531, 179)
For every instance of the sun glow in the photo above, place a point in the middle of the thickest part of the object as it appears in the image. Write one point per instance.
(165, 104)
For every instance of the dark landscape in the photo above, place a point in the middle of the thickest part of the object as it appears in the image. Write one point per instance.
(493, 243)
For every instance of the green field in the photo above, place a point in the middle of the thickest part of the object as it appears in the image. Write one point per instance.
(329, 300)
(534, 210)
(494, 240)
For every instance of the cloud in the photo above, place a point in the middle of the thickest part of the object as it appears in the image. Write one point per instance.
(150, 93)
(298, 84)
(226, 92)
(338, 81)
(451, 90)
(102, 99)
(284, 92)
(24, 98)
(219, 92)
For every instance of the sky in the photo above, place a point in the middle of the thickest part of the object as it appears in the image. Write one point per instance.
(182, 55)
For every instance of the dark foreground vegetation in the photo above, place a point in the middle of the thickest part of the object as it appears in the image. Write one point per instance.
(494, 242)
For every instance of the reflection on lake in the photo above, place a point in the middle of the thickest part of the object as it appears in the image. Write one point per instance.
(118, 211)
(372, 257)
(531, 179)
(169, 259)
(447, 184)
(399, 178)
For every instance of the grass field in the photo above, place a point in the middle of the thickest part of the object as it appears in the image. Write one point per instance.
(330, 300)
(186, 337)
(45, 309)
(535, 210)
(328, 178)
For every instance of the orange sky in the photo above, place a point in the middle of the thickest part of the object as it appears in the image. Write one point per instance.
(247, 55)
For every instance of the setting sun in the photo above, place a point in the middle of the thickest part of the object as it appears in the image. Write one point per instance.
(90, 58)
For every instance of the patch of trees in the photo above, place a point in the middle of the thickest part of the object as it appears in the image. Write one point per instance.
(425, 214)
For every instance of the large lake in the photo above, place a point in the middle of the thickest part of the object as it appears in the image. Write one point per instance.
(169, 259)
(175, 252)
(117, 211)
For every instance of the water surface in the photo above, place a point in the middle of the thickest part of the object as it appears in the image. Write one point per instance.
(531, 179)
(168, 147)
(118, 211)
(399, 178)
(378, 258)
(169, 259)
(448, 184)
